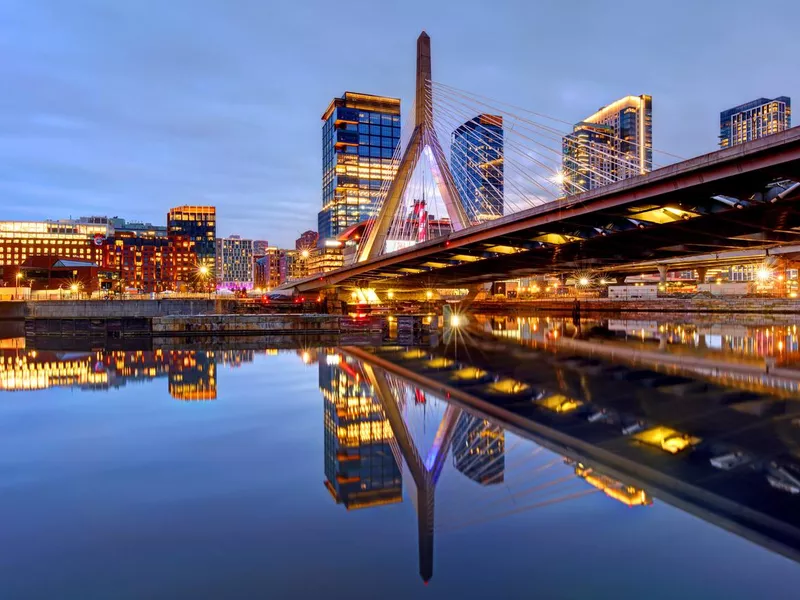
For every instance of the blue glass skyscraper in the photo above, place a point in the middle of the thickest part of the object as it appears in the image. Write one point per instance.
(476, 161)
(359, 136)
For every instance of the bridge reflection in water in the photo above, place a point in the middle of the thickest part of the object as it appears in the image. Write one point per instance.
(726, 455)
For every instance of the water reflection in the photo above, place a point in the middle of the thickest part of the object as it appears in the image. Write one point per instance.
(728, 456)
(728, 335)
(451, 438)
(190, 374)
(375, 424)
(360, 469)
(758, 357)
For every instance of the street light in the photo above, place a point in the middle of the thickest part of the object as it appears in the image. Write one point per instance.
(19, 276)
(203, 271)
(428, 294)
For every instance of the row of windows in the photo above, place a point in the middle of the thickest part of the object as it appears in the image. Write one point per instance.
(376, 118)
(378, 130)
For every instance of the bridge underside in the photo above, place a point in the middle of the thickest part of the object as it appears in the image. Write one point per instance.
(736, 199)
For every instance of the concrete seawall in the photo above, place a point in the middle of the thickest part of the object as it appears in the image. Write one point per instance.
(195, 325)
(262, 324)
(119, 309)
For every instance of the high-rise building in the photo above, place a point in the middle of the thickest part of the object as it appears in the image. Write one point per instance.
(476, 161)
(360, 468)
(196, 226)
(267, 269)
(306, 241)
(234, 262)
(260, 247)
(614, 143)
(293, 264)
(754, 120)
(479, 450)
(360, 133)
(324, 258)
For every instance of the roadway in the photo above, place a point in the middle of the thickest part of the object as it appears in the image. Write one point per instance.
(739, 198)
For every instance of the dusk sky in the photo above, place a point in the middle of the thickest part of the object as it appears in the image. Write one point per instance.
(128, 107)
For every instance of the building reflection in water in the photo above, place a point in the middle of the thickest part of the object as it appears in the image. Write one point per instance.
(479, 450)
(754, 349)
(360, 469)
(191, 374)
(705, 335)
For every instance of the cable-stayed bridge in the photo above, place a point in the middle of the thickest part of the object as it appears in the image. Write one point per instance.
(551, 201)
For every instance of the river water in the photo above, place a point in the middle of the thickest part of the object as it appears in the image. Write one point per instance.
(266, 473)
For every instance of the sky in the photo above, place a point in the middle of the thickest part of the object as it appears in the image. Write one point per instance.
(129, 107)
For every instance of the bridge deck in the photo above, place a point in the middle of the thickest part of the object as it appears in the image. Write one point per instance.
(675, 211)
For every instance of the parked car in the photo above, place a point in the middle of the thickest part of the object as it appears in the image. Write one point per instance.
(282, 299)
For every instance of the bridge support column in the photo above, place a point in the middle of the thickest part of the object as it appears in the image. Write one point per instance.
(701, 274)
(620, 279)
(662, 273)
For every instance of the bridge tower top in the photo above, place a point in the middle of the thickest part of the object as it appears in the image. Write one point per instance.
(423, 97)
(422, 138)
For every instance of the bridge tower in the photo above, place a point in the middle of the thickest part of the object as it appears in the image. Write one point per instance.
(423, 140)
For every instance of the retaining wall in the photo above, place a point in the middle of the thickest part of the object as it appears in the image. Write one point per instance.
(117, 309)
(262, 324)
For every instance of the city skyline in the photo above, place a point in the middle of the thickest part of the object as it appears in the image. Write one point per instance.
(228, 132)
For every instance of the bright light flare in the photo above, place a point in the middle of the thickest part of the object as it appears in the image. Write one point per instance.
(763, 274)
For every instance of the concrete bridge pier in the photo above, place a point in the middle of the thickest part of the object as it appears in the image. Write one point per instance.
(662, 273)
(701, 274)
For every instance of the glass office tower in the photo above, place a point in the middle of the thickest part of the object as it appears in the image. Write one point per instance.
(754, 120)
(197, 226)
(476, 161)
(360, 133)
(614, 143)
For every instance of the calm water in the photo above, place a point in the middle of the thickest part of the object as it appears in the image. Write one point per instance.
(278, 474)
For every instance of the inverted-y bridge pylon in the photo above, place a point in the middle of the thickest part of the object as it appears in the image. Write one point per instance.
(423, 140)
(425, 473)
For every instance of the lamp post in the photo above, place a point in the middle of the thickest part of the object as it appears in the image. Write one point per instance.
(203, 271)
(74, 288)
(18, 277)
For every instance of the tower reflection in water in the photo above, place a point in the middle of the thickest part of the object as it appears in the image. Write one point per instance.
(370, 434)
(360, 469)
(191, 374)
